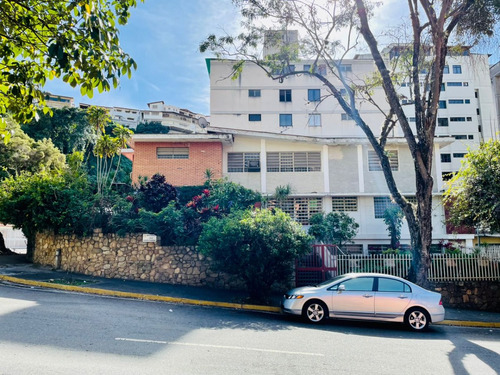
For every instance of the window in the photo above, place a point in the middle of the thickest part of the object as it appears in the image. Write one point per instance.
(374, 162)
(307, 67)
(243, 162)
(321, 69)
(446, 69)
(314, 95)
(345, 117)
(457, 69)
(172, 152)
(345, 68)
(460, 136)
(467, 101)
(459, 154)
(456, 101)
(466, 83)
(412, 119)
(359, 284)
(343, 204)
(442, 104)
(285, 119)
(288, 69)
(301, 209)
(469, 118)
(293, 161)
(381, 204)
(454, 84)
(285, 95)
(457, 119)
(442, 87)
(314, 119)
(391, 285)
(254, 117)
(424, 71)
(470, 136)
(445, 158)
(442, 121)
(254, 93)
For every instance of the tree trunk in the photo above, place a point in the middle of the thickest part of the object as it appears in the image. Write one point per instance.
(30, 243)
(3, 248)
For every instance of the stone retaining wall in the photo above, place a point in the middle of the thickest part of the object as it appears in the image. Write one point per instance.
(476, 295)
(128, 257)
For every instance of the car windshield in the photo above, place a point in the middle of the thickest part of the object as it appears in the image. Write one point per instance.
(330, 281)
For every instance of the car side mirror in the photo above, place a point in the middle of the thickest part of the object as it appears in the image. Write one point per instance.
(341, 288)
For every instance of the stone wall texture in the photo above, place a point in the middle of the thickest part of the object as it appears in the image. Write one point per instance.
(477, 295)
(128, 257)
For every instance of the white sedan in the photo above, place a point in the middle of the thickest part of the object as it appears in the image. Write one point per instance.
(366, 296)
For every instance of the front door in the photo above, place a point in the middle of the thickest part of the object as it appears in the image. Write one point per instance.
(354, 298)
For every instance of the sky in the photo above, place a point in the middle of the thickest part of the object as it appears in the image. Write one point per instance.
(163, 37)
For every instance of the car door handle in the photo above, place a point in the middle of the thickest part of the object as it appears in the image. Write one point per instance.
(368, 295)
(402, 297)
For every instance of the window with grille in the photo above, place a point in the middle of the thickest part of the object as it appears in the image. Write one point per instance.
(345, 67)
(344, 204)
(345, 117)
(243, 162)
(301, 209)
(381, 204)
(374, 162)
(457, 69)
(172, 152)
(445, 158)
(293, 161)
(457, 119)
(314, 119)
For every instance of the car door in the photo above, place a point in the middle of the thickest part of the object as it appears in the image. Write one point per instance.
(391, 298)
(354, 298)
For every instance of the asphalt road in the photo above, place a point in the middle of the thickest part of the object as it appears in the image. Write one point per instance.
(52, 332)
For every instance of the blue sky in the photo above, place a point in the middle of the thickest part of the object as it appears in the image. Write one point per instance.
(163, 37)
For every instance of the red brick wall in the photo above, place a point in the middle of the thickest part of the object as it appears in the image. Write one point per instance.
(178, 172)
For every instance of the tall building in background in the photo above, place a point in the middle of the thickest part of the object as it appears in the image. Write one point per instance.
(294, 132)
(495, 82)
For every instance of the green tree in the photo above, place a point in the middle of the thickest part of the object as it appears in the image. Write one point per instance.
(228, 196)
(75, 40)
(156, 194)
(393, 218)
(68, 128)
(23, 154)
(333, 228)
(43, 201)
(152, 127)
(433, 26)
(473, 194)
(259, 247)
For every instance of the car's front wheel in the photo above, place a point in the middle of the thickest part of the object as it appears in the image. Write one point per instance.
(315, 311)
(417, 319)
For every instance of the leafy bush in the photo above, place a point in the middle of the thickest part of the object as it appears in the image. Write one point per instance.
(333, 228)
(231, 196)
(156, 194)
(259, 247)
(151, 127)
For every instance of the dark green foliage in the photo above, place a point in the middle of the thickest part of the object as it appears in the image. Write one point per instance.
(231, 196)
(333, 228)
(393, 218)
(151, 127)
(23, 154)
(39, 202)
(74, 40)
(259, 247)
(155, 194)
(186, 193)
(473, 196)
(68, 128)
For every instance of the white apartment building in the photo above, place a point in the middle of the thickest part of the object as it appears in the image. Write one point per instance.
(177, 119)
(495, 82)
(284, 134)
(128, 117)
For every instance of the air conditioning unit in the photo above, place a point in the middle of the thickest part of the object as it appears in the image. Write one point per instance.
(254, 166)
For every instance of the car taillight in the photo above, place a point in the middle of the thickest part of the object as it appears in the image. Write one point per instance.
(441, 302)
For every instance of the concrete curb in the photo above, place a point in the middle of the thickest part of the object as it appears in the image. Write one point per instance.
(148, 297)
(188, 301)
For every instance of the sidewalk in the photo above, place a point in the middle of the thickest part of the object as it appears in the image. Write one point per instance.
(15, 269)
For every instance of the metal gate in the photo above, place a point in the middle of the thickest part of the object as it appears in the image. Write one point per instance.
(317, 266)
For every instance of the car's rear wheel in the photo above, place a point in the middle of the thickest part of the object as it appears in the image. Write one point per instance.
(417, 319)
(315, 311)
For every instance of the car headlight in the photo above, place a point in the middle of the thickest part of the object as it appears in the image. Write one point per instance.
(294, 296)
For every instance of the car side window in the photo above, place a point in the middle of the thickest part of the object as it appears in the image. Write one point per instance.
(391, 285)
(364, 284)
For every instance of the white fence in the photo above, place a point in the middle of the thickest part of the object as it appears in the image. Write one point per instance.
(444, 267)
